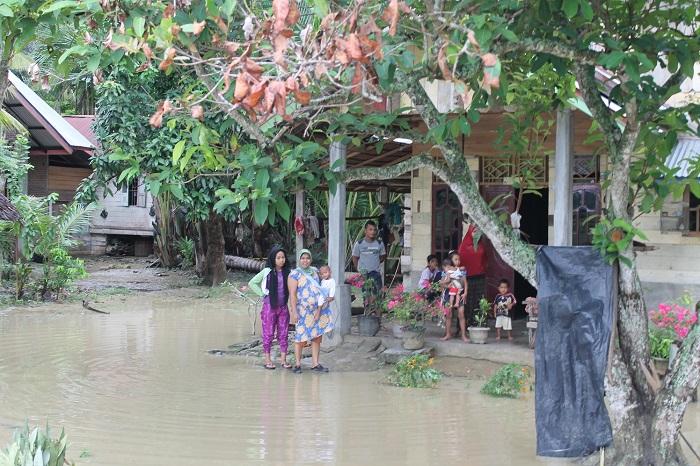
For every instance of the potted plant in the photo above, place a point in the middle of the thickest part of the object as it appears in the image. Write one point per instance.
(408, 309)
(368, 322)
(671, 323)
(480, 333)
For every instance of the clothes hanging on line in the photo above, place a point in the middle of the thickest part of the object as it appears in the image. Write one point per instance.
(313, 224)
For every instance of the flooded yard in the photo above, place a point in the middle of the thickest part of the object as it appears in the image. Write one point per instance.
(138, 387)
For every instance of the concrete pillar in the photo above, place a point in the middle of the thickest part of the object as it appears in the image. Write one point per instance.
(336, 240)
(383, 196)
(563, 179)
(298, 212)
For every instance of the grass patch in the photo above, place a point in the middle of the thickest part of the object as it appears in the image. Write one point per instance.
(509, 382)
(415, 372)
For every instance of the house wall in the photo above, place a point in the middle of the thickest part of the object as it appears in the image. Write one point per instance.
(65, 181)
(122, 219)
(37, 178)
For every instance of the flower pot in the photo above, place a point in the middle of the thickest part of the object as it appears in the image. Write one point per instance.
(368, 325)
(413, 338)
(397, 330)
(661, 366)
(478, 335)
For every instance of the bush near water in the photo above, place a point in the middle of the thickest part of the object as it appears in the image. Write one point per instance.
(509, 382)
(415, 372)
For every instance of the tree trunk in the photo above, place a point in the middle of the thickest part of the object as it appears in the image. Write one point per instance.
(164, 232)
(200, 248)
(215, 270)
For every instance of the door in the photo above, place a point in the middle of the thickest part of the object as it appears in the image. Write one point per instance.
(586, 209)
(503, 199)
(447, 221)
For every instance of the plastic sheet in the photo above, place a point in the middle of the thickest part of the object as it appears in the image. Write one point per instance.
(575, 297)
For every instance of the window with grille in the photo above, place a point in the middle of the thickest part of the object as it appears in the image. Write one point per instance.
(586, 169)
(133, 192)
(693, 213)
(499, 170)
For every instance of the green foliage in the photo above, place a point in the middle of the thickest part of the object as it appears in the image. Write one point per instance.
(509, 381)
(14, 163)
(185, 247)
(35, 448)
(60, 269)
(660, 341)
(612, 238)
(482, 312)
(415, 372)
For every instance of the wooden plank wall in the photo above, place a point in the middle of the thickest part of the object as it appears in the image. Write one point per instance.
(65, 181)
(37, 178)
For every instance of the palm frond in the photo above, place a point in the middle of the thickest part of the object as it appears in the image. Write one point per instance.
(74, 221)
(7, 121)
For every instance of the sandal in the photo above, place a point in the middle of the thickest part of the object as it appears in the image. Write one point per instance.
(270, 366)
(319, 368)
(286, 365)
(296, 369)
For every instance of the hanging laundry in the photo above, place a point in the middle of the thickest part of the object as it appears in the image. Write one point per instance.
(394, 213)
(299, 225)
(313, 223)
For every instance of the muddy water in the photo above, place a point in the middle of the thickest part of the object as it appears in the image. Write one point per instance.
(137, 387)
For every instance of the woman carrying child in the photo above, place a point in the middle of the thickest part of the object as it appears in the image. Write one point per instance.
(310, 311)
(455, 280)
(271, 285)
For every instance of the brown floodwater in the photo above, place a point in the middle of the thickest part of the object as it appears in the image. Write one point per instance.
(137, 387)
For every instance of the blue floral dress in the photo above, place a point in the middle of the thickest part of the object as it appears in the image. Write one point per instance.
(308, 294)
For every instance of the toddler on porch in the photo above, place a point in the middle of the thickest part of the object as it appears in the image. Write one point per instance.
(502, 305)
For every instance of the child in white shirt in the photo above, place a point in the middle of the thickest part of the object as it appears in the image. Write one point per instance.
(327, 286)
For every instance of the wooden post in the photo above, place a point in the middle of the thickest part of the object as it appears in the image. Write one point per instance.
(563, 179)
(337, 240)
(384, 201)
(298, 213)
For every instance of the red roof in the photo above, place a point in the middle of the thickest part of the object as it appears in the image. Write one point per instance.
(83, 123)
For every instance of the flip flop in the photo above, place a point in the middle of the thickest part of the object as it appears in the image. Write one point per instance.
(287, 365)
(270, 367)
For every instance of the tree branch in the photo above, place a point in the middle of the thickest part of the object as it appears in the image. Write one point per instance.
(550, 47)
(393, 171)
(585, 74)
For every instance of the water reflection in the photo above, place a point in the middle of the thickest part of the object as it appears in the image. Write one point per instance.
(137, 387)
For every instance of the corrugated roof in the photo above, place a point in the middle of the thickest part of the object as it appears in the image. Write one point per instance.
(684, 155)
(83, 123)
(48, 129)
(8, 212)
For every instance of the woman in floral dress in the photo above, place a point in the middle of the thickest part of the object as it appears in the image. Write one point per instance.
(308, 311)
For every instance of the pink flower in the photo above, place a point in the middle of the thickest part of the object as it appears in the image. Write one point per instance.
(683, 332)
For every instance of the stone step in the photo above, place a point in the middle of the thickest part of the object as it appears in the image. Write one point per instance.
(394, 355)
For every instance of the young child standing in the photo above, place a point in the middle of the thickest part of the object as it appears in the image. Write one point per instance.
(327, 285)
(502, 305)
(456, 281)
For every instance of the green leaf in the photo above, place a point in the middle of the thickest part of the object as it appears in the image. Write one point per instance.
(55, 6)
(570, 8)
(261, 209)
(178, 150)
(176, 190)
(229, 6)
(78, 49)
(586, 10)
(139, 25)
(694, 188)
(94, 61)
(632, 68)
(321, 8)
(283, 208)
(6, 11)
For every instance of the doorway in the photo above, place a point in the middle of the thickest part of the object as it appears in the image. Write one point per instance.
(447, 221)
(534, 227)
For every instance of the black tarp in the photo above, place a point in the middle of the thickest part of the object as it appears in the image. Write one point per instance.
(575, 297)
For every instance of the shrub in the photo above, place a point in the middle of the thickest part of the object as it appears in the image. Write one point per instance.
(508, 382)
(674, 317)
(415, 372)
(185, 247)
(60, 270)
(35, 448)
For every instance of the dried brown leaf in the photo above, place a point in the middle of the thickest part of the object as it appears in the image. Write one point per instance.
(489, 59)
(391, 16)
(223, 27)
(175, 29)
(231, 47)
(293, 15)
(320, 70)
(303, 97)
(169, 11)
(354, 48)
(253, 68)
(198, 112)
(144, 66)
(242, 87)
(168, 59)
(291, 84)
(256, 93)
(197, 28)
(147, 51)
(328, 20)
(442, 63)
(489, 82)
(472, 40)
(280, 11)
(280, 43)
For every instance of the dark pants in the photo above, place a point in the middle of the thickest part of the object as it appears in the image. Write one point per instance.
(371, 289)
(476, 289)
